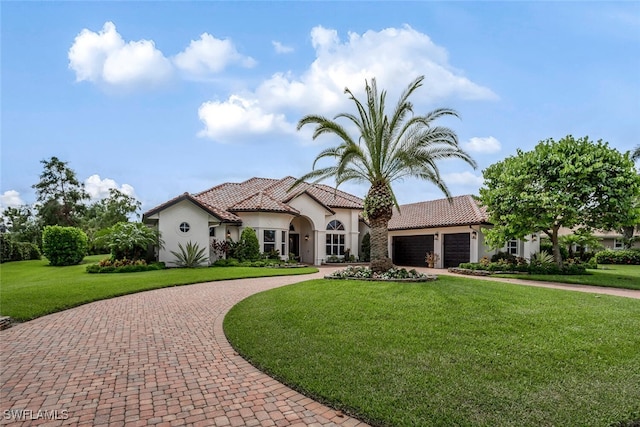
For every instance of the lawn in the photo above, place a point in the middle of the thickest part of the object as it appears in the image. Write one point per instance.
(612, 276)
(29, 289)
(456, 351)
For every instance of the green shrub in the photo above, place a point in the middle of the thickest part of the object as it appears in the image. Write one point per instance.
(505, 256)
(250, 244)
(128, 240)
(121, 266)
(11, 250)
(626, 256)
(190, 256)
(64, 245)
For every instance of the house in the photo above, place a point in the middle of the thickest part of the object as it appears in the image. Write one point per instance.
(310, 222)
(452, 228)
(610, 239)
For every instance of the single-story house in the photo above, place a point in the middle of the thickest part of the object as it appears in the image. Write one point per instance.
(310, 222)
(313, 222)
(451, 228)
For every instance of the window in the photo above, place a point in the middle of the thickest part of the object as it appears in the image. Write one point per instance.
(269, 240)
(212, 232)
(184, 227)
(512, 247)
(283, 251)
(335, 225)
(618, 244)
(335, 241)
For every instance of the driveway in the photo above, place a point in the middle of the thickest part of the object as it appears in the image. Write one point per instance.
(152, 358)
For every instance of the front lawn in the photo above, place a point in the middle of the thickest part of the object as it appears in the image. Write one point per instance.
(456, 351)
(29, 289)
(612, 276)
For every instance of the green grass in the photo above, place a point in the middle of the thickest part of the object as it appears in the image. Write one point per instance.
(29, 289)
(456, 351)
(612, 276)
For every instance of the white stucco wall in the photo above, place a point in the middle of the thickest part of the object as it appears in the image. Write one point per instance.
(261, 221)
(169, 221)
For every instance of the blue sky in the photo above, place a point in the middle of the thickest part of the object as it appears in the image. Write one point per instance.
(159, 98)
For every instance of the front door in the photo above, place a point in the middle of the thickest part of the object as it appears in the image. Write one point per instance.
(294, 245)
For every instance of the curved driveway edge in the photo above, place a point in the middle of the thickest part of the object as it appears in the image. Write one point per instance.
(602, 290)
(153, 358)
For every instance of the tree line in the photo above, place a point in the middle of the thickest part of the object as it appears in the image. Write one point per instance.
(61, 200)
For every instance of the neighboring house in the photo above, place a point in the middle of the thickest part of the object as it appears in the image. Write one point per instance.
(608, 239)
(450, 228)
(310, 222)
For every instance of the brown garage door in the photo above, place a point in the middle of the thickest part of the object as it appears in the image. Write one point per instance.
(457, 249)
(410, 250)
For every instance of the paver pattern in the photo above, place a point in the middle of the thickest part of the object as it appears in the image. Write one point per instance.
(156, 358)
(153, 358)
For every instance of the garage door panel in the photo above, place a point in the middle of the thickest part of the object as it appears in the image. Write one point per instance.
(456, 249)
(410, 250)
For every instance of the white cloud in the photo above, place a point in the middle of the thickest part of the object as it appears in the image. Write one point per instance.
(105, 58)
(395, 56)
(463, 178)
(99, 188)
(237, 117)
(280, 48)
(209, 55)
(10, 199)
(483, 145)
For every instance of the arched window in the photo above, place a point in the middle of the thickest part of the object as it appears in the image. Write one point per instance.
(335, 238)
(335, 225)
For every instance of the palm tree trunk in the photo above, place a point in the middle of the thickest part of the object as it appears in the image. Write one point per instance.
(380, 260)
(378, 208)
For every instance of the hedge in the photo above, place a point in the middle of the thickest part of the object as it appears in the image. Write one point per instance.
(626, 256)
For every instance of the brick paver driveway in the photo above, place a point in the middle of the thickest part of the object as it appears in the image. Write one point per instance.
(153, 358)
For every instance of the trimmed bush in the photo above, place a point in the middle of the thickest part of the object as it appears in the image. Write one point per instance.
(250, 245)
(123, 266)
(64, 245)
(17, 251)
(627, 256)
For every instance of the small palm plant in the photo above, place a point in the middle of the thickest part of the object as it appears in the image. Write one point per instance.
(190, 256)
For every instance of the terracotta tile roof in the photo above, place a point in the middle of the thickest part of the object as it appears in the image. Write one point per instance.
(461, 210)
(212, 210)
(262, 202)
(264, 195)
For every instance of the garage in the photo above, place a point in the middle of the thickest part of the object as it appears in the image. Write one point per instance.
(456, 249)
(410, 251)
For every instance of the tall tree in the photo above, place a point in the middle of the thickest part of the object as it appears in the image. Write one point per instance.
(387, 148)
(60, 194)
(22, 224)
(571, 183)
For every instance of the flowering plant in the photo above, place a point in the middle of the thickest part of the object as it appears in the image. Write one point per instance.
(431, 258)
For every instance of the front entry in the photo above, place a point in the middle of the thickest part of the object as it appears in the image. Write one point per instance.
(294, 245)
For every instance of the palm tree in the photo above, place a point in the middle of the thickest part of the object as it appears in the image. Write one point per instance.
(388, 148)
(635, 154)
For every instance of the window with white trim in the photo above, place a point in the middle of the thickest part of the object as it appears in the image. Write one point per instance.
(335, 238)
(269, 240)
(618, 244)
(512, 247)
(283, 251)
(184, 227)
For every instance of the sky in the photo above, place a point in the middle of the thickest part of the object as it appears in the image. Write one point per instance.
(161, 98)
